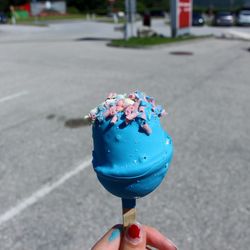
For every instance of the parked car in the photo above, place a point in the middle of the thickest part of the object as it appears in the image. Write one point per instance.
(243, 17)
(224, 19)
(3, 18)
(197, 19)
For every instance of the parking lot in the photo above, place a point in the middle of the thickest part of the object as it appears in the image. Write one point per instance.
(50, 77)
(59, 31)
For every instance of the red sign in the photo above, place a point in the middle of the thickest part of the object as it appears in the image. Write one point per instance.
(184, 13)
(181, 17)
(25, 7)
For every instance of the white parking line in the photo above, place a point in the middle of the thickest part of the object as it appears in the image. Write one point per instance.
(41, 193)
(10, 97)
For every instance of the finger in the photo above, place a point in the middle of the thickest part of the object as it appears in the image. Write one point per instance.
(157, 240)
(111, 240)
(134, 238)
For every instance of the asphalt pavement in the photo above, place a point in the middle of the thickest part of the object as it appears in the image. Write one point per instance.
(50, 77)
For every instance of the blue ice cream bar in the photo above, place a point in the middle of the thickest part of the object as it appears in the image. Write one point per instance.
(131, 152)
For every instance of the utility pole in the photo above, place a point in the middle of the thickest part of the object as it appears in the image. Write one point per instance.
(130, 28)
(35, 11)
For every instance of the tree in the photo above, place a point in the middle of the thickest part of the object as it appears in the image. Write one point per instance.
(143, 5)
(88, 5)
(5, 4)
(100, 5)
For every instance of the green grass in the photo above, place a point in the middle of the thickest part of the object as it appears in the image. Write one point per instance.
(105, 19)
(44, 19)
(136, 42)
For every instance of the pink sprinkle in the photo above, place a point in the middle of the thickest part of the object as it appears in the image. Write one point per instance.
(129, 109)
(152, 101)
(106, 114)
(111, 95)
(141, 109)
(132, 96)
(147, 129)
(120, 103)
(127, 112)
(112, 110)
(119, 108)
(136, 105)
(92, 116)
(114, 119)
(163, 112)
(143, 116)
(131, 116)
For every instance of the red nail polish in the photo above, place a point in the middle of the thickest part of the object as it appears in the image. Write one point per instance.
(134, 231)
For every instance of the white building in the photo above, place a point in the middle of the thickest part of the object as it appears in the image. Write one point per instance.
(48, 7)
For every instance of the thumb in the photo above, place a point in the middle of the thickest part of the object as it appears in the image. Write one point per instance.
(134, 238)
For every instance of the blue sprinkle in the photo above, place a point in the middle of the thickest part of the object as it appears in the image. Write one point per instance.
(143, 103)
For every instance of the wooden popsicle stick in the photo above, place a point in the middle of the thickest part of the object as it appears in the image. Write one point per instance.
(129, 216)
(128, 212)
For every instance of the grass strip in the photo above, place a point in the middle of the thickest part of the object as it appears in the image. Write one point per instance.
(137, 42)
(43, 19)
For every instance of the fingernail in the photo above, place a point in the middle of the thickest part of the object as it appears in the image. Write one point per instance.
(115, 234)
(134, 233)
(173, 245)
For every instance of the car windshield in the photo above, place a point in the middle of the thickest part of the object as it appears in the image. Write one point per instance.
(245, 13)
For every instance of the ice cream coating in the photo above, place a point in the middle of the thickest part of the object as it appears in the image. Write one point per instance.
(130, 160)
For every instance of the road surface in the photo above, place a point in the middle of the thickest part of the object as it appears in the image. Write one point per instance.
(50, 198)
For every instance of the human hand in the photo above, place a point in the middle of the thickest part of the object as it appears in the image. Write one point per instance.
(136, 237)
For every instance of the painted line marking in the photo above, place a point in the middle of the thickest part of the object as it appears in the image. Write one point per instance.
(14, 96)
(41, 193)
